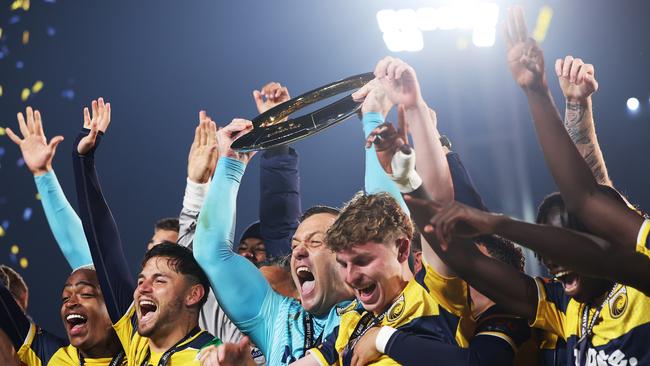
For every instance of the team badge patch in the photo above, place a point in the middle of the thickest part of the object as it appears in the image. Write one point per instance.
(396, 309)
(342, 310)
(618, 303)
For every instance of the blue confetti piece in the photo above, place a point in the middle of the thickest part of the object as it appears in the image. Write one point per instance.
(20, 65)
(2, 151)
(2, 55)
(27, 213)
(14, 19)
(20, 162)
(5, 224)
(13, 258)
(50, 1)
(67, 94)
(51, 31)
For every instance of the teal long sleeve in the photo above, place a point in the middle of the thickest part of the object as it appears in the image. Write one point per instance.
(239, 286)
(63, 220)
(376, 179)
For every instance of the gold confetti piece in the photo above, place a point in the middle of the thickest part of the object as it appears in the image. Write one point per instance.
(25, 94)
(26, 37)
(26, 4)
(23, 262)
(38, 86)
(16, 5)
(2, 231)
(0, 32)
(543, 22)
(38, 196)
(15, 249)
(1, 91)
(2, 131)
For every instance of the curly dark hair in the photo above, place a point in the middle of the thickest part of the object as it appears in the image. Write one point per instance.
(368, 217)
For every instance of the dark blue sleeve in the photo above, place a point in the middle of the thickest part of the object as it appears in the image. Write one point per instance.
(414, 349)
(279, 199)
(464, 190)
(102, 235)
(13, 320)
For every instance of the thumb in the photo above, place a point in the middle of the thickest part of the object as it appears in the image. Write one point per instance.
(589, 79)
(257, 97)
(56, 140)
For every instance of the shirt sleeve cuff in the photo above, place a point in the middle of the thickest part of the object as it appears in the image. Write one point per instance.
(370, 121)
(195, 195)
(383, 337)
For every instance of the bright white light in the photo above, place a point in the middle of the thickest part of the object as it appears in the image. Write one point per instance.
(403, 28)
(633, 104)
(484, 36)
(400, 30)
(427, 19)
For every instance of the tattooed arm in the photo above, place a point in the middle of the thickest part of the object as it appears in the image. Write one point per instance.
(578, 83)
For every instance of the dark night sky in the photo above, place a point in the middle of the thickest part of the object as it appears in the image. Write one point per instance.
(159, 62)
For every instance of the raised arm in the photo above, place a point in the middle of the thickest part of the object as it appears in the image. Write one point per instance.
(13, 321)
(602, 214)
(63, 220)
(239, 286)
(578, 83)
(375, 107)
(512, 290)
(577, 251)
(280, 207)
(101, 230)
(400, 82)
(201, 164)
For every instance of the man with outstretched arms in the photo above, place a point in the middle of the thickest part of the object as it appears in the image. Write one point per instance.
(157, 320)
(91, 339)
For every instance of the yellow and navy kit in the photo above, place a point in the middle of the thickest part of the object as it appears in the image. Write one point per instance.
(37, 347)
(137, 347)
(43, 349)
(453, 293)
(414, 311)
(620, 333)
(643, 239)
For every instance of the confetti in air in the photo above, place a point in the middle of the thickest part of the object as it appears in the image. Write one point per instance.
(25, 94)
(24, 262)
(15, 249)
(27, 213)
(26, 37)
(2, 231)
(5, 224)
(38, 86)
(2, 131)
(20, 162)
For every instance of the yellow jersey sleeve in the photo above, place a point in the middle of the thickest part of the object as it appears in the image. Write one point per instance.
(551, 308)
(450, 292)
(642, 242)
(125, 329)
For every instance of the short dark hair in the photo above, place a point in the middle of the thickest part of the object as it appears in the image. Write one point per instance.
(368, 218)
(15, 282)
(503, 249)
(416, 242)
(319, 209)
(182, 261)
(168, 223)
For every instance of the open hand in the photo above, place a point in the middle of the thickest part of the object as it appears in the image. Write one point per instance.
(399, 81)
(228, 354)
(99, 121)
(204, 153)
(37, 153)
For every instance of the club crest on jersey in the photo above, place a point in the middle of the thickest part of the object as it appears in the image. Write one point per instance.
(396, 309)
(618, 303)
(344, 309)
